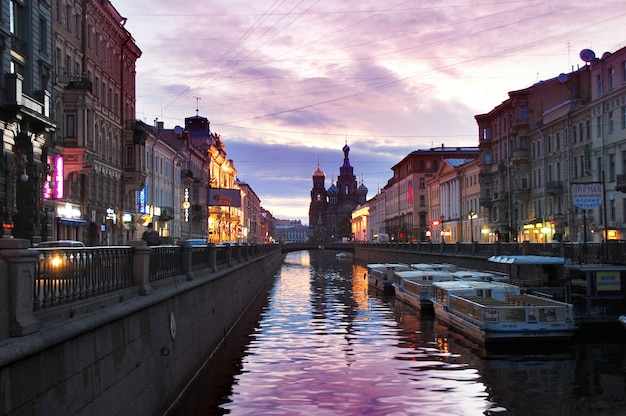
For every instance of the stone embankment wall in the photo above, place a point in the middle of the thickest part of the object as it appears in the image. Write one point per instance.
(132, 358)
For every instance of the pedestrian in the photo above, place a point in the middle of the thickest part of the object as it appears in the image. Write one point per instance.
(151, 236)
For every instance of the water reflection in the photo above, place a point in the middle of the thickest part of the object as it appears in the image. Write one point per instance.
(325, 345)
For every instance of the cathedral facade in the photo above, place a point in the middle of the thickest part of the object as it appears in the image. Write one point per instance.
(331, 208)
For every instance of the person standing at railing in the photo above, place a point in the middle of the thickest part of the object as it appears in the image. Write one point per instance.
(151, 236)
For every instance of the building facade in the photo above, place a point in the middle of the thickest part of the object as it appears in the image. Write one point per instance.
(26, 120)
(93, 68)
(407, 213)
(553, 156)
(330, 210)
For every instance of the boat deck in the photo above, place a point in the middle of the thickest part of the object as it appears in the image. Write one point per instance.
(486, 301)
(516, 300)
(526, 300)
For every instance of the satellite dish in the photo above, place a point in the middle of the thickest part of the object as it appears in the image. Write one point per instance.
(587, 55)
(178, 130)
(562, 78)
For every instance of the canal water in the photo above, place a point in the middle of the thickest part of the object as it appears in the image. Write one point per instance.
(323, 343)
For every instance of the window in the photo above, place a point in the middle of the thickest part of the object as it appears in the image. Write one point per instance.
(612, 167)
(70, 125)
(68, 18)
(599, 127)
(422, 183)
(599, 85)
(611, 78)
(130, 155)
(623, 117)
(43, 35)
(16, 19)
(523, 142)
(524, 180)
(523, 112)
(611, 122)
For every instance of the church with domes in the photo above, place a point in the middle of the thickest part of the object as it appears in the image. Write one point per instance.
(331, 208)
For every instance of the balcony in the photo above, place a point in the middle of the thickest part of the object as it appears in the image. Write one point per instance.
(522, 194)
(75, 82)
(554, 187)
(485, 201)
(620, 184)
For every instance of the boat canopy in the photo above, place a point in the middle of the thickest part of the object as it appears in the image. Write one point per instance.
(527, 259)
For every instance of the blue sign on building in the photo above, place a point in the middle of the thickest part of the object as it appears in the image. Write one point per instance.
(141, 201)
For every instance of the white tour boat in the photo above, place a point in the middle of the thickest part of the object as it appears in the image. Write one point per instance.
(381, 275)
(415, 287)
(496, 311)
(487, 276)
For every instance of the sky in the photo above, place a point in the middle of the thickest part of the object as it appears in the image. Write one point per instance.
(287, 83)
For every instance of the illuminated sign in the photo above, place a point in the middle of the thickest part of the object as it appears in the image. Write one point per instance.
(59, 174)
(608, 281)
(186, 205)
(68, 211)
(435, 222)
(141, 201)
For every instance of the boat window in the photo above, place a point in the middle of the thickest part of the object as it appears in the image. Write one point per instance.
(491, 314)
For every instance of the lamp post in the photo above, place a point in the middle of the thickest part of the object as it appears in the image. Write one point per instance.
(471, 217)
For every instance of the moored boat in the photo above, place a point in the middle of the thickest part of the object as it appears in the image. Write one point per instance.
(381, 275)
(415, 287)
(475, 275)
(444, 267)
(489, 311)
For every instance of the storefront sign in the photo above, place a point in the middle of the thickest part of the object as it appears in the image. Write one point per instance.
(587, 195)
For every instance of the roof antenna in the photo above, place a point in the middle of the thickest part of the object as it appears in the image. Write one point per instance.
(197, 99)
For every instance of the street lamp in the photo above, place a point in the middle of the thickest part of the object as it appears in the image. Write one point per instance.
(472, 216)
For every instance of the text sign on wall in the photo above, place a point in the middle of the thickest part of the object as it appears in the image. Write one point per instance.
(587, 195)
(608, 281)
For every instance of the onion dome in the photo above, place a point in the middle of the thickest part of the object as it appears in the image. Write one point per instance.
(318, 172)
(362, 189)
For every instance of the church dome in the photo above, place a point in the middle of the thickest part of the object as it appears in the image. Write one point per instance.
(362, 189)
(319, 172)
(333, 190)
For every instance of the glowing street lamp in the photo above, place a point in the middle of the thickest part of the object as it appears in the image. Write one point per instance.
(472, 215)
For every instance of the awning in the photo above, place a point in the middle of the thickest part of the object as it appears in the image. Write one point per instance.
(527, 259)
(76, 222)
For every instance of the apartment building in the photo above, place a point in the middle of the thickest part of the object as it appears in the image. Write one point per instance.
(26, 120)
(553, 156)
(407, 211)
(93, 71)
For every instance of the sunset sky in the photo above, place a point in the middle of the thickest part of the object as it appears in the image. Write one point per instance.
(287, 83)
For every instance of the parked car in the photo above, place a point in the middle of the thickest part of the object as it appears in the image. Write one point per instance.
(60, 243)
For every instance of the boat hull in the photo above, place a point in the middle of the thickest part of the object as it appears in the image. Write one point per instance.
(503, 331)
(423, 304)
